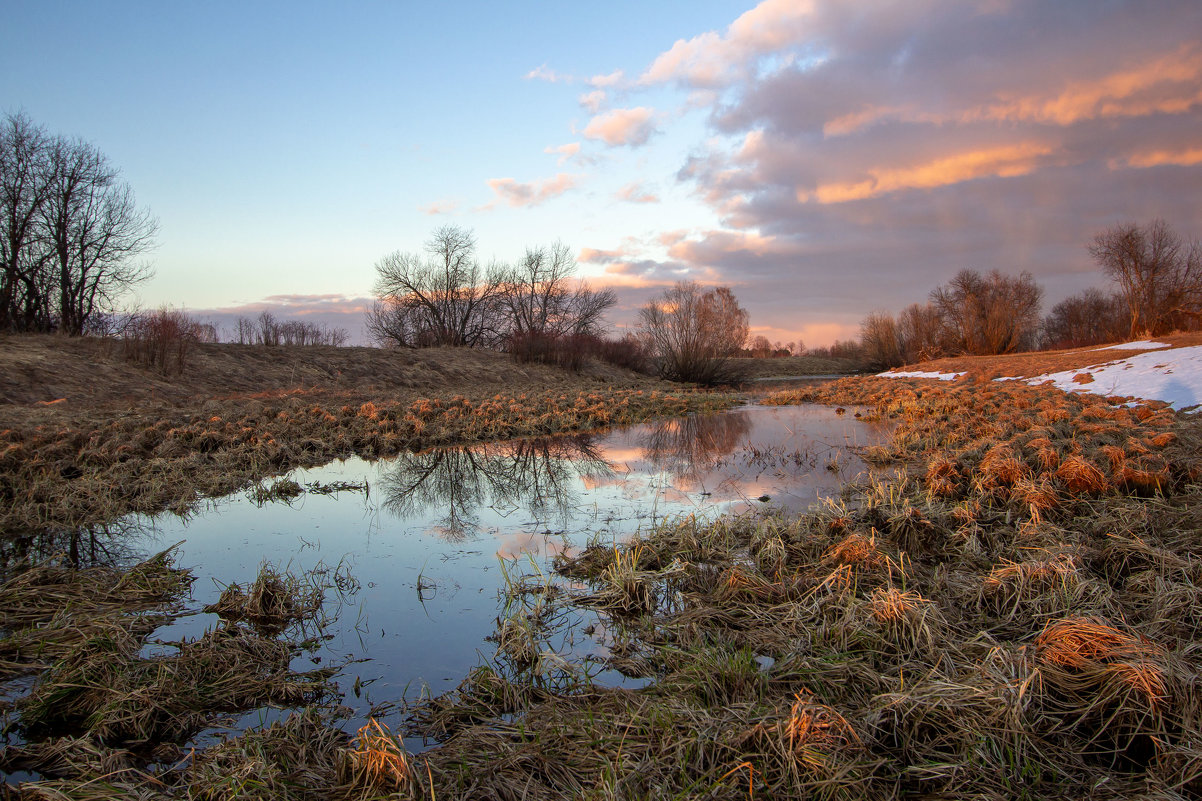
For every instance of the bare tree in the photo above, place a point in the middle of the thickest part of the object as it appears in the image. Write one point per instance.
(692, 333)
(989, 314)
(879, 341)
(920, 333)
(444, 297)
(70, 231)
(1089, 318)
(95, 230)
(541, 297)
(1159, 278)
(24, 187)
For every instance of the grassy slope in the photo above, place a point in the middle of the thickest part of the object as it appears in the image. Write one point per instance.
(1040, 362)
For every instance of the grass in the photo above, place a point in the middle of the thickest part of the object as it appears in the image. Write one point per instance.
(1008, 608)
(68, 477)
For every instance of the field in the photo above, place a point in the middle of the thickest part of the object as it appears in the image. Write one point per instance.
(1007, 608)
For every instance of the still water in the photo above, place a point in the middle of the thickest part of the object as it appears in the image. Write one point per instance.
(429, 537)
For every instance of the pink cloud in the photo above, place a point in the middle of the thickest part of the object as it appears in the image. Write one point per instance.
(714, 59)
(623, 126)
(544, 73)
(531, 193)
(565, 152)
(439, 207)
(612, 79)
(634, 193)
(593, 100)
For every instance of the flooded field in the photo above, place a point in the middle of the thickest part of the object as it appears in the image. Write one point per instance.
(415, 552)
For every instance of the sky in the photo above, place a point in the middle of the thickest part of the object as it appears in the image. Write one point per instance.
(823, 158)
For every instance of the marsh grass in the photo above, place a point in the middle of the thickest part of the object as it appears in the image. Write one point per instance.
(977, 620)
(91, 471)
(48, 611)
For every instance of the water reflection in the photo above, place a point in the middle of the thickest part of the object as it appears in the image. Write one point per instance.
(541, 476)
(688, 446)
(109, 545)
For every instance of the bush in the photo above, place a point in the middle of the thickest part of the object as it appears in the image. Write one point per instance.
(627, 352)
(162, 339)
(566, 351)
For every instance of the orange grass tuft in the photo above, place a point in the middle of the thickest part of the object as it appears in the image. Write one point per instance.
(1080, 476)
(893, 606)
(378, 762)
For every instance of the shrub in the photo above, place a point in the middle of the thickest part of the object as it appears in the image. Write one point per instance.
(568, 351)
(162, 339)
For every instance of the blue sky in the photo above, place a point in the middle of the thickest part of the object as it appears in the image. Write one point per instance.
(823, 158)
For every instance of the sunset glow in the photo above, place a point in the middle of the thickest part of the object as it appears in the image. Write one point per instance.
(822, 158)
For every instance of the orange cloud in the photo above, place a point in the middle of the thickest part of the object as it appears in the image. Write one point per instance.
(1157, 158)
(622, 126)
(1003, 162)
(1168, 85)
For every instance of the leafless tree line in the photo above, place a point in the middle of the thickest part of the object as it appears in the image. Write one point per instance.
(972, 313)
(446, 296)
(267, 330)
(1157, 288)
(71, 232)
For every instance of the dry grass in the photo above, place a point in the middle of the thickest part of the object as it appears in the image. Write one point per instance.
(979, 621)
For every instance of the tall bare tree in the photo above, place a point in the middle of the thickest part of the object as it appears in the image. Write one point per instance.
(24, 187)
(692, 332)
(95, 230)
(70, 231)
(442, 297)
(541, 296)
(1159, 277)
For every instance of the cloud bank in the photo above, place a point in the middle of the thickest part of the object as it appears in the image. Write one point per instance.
(858, 155)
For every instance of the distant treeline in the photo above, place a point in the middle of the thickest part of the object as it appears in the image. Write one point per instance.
(1157, 288)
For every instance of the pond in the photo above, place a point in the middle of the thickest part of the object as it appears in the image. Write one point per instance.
(421, 546)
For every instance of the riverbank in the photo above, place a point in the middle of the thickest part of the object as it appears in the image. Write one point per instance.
(91, 437)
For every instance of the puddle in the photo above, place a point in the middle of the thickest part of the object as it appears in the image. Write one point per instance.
(430, 538)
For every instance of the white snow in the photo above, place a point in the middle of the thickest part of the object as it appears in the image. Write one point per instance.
(1144, 344)
(1173, 376)
(920, 374)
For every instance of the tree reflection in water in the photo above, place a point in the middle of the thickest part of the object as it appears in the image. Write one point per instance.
(688, 447)
(539, 476)
(113, 545)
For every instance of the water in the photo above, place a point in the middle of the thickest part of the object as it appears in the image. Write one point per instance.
(430, 539)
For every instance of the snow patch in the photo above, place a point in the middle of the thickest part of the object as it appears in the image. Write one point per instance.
(1173, 376)
(920, 374)
(1145, 344)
